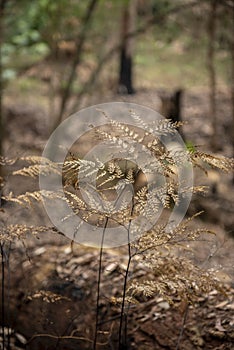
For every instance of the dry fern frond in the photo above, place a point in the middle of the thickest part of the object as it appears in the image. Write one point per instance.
(151, 208)
(127, 136)
(159, 236)
(140, 200)
(7, 161)
(170, 274)
(199, 158)
(159, 127)
(116, 174)
(75, 201)
(151, 239)
(174, 276)
(172, 191)
(47, 296)
(39, 165)
(183, 233)
(28, 159)
(11, 233)
(29, 197)
(36, 169)
(184, 225)
(117, 141)
(195, 189)
(70, 172)
(75, 169)
(128, 299)
(37, 160)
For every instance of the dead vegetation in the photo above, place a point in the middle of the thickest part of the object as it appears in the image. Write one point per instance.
(156, 268)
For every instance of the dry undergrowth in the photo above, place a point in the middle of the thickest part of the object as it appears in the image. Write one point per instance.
(170, 273)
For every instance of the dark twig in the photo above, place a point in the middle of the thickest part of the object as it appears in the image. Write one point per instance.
(77, 59)
(8, 297)
(3, 295)
(183, 326)
(125, 287)
(124, 296)
(98, 284)
(141, 30)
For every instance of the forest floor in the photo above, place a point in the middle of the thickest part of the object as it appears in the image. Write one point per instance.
(51, 263)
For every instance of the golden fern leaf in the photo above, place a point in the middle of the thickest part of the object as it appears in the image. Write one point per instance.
(222, 163)
(159, 127)
(37, 160)
(7, 161)
(28, 197)
(173, 275)
(77, 201)
(47, 296)
(36, 169)
(11, 233)
(116, 141)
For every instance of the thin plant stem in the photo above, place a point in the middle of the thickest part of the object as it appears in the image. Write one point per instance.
(124, 295)
(3, 296)
(79, 49)
(98, 285)
(8, 297)
(182, 328)
(100, 271)
(125, 286)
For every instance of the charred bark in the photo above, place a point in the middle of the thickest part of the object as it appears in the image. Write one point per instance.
(125, 84)
(211, 31)
(172, 105)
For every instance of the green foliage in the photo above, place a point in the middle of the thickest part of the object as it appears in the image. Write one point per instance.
(34, 29)
(23, 43)
(190, 146)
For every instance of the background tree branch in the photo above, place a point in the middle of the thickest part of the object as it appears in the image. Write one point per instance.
(77, 59)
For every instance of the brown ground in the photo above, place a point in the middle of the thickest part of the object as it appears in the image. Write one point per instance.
(153, 324)
(50, 263)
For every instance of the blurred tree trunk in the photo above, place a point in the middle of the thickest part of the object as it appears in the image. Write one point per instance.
(2, 8)
(125, 84)
(232, 81)
(79, 50)
(171, 107)
(211, 30)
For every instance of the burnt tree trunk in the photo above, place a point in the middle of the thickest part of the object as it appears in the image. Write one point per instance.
(67, 91)
(125, 84)
(171, 107)
(2, 14)
(2, 8)
(232, 83)
(211, 31)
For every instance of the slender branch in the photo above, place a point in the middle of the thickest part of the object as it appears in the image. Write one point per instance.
(211, 29)
(98, 286)
(66, 337)
(100, 271)
(8, 296)
(124, 294)
(232, 81)
(3, 295)
(77, 59)
(114, 50)
(125, 283)
(109, 320)
(2, 13)
(183, 326)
